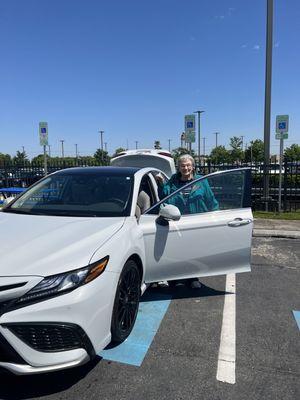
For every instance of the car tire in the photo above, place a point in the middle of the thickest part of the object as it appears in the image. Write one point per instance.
(126, 302)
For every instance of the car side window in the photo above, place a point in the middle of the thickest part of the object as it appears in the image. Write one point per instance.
(146, 198)
(223, 191)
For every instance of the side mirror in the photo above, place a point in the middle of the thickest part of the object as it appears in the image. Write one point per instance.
(8, 200)
(170, 213)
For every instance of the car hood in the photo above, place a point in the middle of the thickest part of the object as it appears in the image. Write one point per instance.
(47, 245)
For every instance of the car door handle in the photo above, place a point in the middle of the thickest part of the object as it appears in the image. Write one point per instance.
(239, 222)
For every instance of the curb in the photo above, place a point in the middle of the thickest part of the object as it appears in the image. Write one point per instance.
(276, 233)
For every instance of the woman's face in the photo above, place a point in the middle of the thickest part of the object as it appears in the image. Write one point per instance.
(186, 169)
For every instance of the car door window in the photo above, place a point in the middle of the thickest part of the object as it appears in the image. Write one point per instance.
(146, 198)
(215, 192)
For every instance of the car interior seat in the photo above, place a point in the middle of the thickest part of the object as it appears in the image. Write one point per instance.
(143, 201)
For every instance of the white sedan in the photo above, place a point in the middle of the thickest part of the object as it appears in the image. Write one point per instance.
(82, 245)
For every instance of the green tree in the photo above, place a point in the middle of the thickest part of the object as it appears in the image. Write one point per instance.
(255, 152)
(87, 160)
(219, 155)
(292, 153)
(157, 145)
(236, 152)
(39, 160)
(118, 150)
(4, 159)
(21, 158)
(102, 157)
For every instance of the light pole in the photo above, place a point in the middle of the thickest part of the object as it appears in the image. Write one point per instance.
(136, 144)
(105, 146)
(49, 150)
(62, 148)
(216, 133)
(242, 137)
(268, 81)
(76, 150)
(169, 140)
(101, 144)
(182, 139)
(199, 112)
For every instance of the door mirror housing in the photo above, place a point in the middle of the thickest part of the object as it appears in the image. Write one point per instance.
(170, 212)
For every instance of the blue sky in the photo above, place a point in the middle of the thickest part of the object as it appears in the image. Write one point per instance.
(135, 68)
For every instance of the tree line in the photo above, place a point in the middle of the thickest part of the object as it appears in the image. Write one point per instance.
(254, 153)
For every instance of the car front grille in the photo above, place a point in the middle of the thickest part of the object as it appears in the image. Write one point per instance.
(48, 337)
(52, 337)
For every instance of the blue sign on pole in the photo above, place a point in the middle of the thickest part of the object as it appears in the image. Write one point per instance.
(282, 126)
(282, 123)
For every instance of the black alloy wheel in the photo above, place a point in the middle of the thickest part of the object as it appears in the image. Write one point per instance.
(126, 303)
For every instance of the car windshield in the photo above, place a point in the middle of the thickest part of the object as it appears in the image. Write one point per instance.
(79, 195)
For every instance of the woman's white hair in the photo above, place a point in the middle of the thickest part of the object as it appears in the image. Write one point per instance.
(184, 158)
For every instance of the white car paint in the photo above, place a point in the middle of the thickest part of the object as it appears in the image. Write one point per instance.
(142, 158)
(37, 246)
(196, 245)
(52, 243)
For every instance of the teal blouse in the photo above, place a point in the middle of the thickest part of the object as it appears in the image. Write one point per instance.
(198, 200)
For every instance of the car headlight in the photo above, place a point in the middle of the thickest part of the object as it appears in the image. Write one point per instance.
(55, 285)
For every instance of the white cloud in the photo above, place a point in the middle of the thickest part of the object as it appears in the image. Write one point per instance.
(256, 47)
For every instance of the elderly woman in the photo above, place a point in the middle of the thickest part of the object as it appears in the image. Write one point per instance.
(194, 199)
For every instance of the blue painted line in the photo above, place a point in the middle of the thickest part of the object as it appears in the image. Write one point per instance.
(151, 312)
(297, 317)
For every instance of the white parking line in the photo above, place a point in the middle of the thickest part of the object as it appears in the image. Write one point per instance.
(226, 359)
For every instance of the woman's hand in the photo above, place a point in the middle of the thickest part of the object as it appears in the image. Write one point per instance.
(159, 179)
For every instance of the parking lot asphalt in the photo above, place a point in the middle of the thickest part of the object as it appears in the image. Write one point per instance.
(182, 361)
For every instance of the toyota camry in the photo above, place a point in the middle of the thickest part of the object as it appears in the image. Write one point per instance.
(82, 245)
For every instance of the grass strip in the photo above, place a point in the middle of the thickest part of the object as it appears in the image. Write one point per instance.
(293, 215)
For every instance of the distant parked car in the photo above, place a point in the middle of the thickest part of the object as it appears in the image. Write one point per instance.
(274, 169)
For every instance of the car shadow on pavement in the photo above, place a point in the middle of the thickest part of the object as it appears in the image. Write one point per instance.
(180, 291)
(13, 387)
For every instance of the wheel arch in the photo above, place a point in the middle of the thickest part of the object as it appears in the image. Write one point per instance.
(137, 259)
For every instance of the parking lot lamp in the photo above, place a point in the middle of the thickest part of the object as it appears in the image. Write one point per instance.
(199, 112)
(216, 133)
(62, 148)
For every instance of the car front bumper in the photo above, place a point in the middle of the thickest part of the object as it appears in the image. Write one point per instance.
(61, 332)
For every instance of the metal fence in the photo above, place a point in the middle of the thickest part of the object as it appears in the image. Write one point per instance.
(290, 190)
(16, 175)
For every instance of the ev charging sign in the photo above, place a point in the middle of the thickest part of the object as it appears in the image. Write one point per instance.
(282, 126)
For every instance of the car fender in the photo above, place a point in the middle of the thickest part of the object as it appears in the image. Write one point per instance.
(125, 243)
